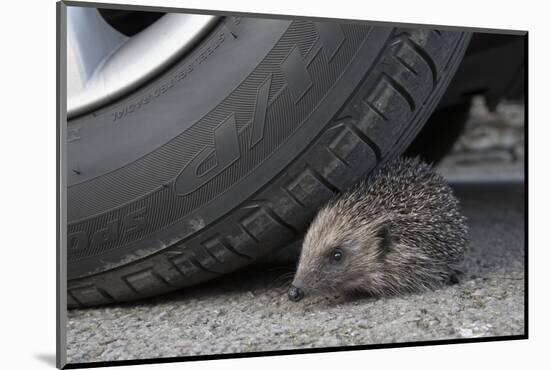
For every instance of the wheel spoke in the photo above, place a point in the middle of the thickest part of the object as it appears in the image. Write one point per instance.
(103, 63)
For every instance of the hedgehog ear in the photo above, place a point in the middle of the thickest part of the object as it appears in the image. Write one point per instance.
(385, 236)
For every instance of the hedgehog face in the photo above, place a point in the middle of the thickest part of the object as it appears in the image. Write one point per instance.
(340, 255)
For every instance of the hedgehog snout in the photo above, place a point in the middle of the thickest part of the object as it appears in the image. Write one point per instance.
(296, 290)
(295, 293)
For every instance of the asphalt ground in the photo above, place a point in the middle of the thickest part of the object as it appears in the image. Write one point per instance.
(249, 310)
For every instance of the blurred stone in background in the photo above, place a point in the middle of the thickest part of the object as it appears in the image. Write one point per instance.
(491, 148)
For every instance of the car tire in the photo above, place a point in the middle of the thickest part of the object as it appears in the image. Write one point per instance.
(228, 154)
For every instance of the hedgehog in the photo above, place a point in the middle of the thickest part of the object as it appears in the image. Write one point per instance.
(398, 231)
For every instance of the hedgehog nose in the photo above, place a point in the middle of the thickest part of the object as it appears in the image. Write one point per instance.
(295, 293)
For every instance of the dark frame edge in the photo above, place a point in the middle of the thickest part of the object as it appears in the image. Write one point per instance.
(292, 352)
(526, 186)
(224, 12)
(61, 185)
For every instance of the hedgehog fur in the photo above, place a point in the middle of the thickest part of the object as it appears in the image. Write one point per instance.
(399, 231)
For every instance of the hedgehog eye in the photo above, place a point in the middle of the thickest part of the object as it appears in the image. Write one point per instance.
(336, 255)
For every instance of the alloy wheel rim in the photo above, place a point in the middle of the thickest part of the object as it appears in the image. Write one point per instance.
(103, 64)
